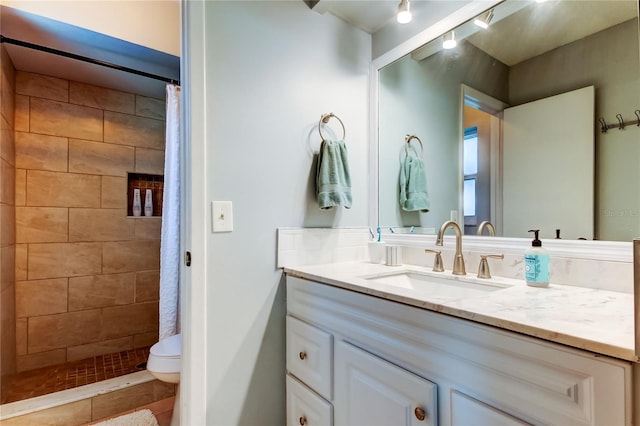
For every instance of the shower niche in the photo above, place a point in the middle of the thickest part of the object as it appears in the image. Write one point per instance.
(144, 182)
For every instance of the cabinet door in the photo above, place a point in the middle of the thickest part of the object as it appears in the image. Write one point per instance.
(467, 411)
(305, 408)
(370, 391)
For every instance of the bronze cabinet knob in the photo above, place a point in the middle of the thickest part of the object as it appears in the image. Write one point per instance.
(302, 355)
(420, 413)
(302, 420)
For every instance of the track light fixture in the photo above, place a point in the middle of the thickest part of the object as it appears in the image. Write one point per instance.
(484, 20)
(404, 12)
(449, 40)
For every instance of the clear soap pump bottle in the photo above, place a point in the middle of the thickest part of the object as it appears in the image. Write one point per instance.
(536, 263)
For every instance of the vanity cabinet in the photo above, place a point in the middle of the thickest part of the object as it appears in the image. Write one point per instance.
(360, 359)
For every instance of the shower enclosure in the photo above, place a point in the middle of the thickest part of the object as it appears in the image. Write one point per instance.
(80, 275)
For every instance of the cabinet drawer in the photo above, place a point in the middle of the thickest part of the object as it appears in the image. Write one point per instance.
(309, 356)
(304, 407)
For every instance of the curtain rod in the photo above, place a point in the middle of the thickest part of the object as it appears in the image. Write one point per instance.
(28, 45)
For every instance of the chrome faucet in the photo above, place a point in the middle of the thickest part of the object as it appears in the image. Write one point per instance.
(489, 226)
(458, 260)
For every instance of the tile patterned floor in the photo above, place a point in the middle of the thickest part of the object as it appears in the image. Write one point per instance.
(42, 381)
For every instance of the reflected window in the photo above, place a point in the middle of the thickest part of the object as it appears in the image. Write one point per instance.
(470, 170)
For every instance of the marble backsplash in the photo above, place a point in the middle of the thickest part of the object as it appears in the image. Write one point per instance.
(598, 268)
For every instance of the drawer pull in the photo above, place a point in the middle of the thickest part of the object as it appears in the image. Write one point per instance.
(302, 420)
(420, 413)
(303, 356)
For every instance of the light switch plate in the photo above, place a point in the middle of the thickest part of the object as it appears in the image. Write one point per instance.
(222, 216)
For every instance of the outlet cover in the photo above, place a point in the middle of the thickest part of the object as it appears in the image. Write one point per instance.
(222, 216)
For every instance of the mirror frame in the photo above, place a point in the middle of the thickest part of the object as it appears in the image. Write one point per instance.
(588, 250)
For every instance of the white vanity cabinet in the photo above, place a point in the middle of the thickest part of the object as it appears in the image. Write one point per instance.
(378, 362)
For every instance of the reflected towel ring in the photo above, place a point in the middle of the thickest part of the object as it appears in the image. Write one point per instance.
(324, 118)
(409, 138)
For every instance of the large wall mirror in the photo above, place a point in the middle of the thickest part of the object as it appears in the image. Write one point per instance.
(506, 126)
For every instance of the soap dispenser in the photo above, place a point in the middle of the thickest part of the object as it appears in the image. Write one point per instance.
(536, 263)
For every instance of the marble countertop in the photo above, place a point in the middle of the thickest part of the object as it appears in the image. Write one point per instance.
(595, 320)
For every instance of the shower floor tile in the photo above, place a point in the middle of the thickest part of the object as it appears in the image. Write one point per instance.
(42, 381)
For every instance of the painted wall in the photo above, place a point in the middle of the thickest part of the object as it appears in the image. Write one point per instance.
(87, 276)
(150, 23)
(609, 61)
(263, 75)
(7, 216)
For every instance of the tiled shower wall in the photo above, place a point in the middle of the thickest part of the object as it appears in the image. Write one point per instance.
(86, 274)
(7, 215)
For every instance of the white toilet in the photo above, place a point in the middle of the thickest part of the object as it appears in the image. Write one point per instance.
(165, 358)
(164, 363)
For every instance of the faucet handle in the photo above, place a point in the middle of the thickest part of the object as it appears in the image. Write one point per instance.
(437, 260)
(483, 268)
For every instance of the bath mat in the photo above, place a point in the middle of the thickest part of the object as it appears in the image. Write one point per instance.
(137, 418)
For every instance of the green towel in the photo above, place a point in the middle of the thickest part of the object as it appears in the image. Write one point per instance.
(333, 182)
(413, 183)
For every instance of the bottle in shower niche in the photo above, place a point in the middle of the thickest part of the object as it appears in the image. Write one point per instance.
(137, 203)
(536, 263)
(148, 203)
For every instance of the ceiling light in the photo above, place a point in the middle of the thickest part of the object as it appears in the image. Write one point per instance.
(449, 40)
(484, 20)
(404, 12)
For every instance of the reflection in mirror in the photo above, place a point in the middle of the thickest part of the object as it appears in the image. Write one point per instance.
(567, 61)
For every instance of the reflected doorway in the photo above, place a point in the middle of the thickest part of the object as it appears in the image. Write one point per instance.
(481, 145)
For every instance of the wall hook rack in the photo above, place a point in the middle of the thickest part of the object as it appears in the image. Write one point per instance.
(621, 122)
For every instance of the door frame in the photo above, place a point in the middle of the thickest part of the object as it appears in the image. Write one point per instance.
(494, 107)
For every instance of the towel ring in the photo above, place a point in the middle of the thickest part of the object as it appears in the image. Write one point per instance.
(324, 118)
(409, 138)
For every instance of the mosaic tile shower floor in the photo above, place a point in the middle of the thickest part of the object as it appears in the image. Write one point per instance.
(46, 380)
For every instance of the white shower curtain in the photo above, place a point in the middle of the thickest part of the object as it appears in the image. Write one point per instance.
(170, 237)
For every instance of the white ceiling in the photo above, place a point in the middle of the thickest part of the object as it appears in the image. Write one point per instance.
(24, 26)
(368, 15)
(541, 27)
(546, 26)
(536, 28)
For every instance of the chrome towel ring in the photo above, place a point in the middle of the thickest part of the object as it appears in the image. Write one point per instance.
(324, 118)
(409, 138)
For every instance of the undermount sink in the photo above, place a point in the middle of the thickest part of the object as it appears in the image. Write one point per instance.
(445, 286)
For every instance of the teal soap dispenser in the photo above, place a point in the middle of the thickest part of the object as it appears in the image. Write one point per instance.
(536, 263)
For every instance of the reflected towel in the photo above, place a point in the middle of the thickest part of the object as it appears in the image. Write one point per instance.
(413, 183)
(333, 182)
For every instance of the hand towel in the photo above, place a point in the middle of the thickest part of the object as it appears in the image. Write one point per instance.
(413, 183)
(333, 182)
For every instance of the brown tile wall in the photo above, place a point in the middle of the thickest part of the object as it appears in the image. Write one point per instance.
(86, 273)
(7, 215)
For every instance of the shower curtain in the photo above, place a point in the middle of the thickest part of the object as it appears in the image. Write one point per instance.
(170, 236)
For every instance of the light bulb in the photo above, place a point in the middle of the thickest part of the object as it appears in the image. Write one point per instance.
(449, 40)
(404, 12)
(484, 20)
